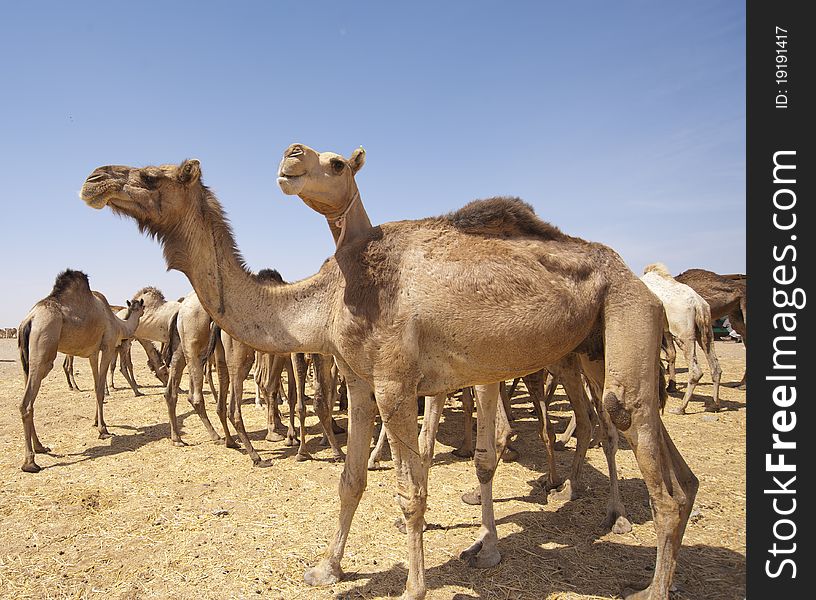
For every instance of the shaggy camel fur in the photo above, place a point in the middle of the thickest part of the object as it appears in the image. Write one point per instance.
(381, 305)
(726, 296)
(354, 224)
(689, 320)
(72, 320)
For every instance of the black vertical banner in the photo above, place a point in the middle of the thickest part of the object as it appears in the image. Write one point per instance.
(780, 172)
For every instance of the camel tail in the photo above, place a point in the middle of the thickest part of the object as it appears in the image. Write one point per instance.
(662, 393)
(22, 344)
(172, 345)
(215, 333)
(702, 323)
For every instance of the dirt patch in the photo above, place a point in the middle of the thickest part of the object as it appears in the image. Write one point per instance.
(134, 517)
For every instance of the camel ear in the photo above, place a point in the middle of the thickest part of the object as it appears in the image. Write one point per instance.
(357, 160)
(189, 171)
(128, 303)
(141, 301)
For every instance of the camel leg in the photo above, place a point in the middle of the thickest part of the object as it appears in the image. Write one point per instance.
(353, 480)
(273, 420)
(513, 387)
(32, 443)
(738, 323)
(196, 396)
(155, 362)
(224, 389)
(100, 362)
(411, 465)
(299, 364)
(505, 398)
(376, 454)
(112, 369)
(465, 450)
(713, 364)
(237, 379)
(671, 359)
(695, 374)
(615, 519)
(631, 398)
(126, 367)
(68, 368)
(324, 400)
(570, 376)
(177, 364)
(208, 372)
(484, 552)
(535, 386)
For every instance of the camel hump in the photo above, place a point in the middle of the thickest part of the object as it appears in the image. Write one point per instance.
(150, 291)
(504, 217)
(269, 275)
(68, 280)
(658, 269)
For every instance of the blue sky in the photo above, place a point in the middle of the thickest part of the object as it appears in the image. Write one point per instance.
(620, 122)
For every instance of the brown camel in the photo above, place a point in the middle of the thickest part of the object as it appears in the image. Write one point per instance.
(72, 320)
(354, 224)
(727, 296)
(381, 305)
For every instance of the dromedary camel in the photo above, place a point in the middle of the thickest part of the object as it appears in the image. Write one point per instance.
(424, 307)
(689, 321)
(352, 224)
(726, 296)
(72, 320)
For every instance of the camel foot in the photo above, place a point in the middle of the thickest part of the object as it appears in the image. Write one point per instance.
(462, 453)
(262, 463)
(274, 436)
(303, 456)
(323, 573)
(374, 465)
(713, 409)
(291, 440)
(338, 458)
(742, 387)
(677, 411)
(617, 523)
(562, 493)
(510, 455)
(137, 394)
(672, 386)
(477, 556)
(42, 449)
(179, 443)
(214, 436)
(560, 445)
(473, 497)
(324, 441)
(229, 442)
(337, 429)
(406, 595)
(31, 467)
(104, 435)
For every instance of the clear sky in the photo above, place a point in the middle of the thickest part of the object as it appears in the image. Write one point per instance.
(620, 122)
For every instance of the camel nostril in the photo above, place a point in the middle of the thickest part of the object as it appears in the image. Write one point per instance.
(95, 177)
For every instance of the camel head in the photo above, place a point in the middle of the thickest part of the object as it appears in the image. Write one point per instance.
(323, 180)
(158, 198)
(137, 307)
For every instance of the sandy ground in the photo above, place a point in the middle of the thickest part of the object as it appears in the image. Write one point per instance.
(133, 517)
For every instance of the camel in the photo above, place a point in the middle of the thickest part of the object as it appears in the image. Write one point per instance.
(526, 295)
(353, 224)
(688, 319)
(72, 320)
(726, 296)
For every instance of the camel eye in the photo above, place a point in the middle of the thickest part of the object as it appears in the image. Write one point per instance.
(338, 165)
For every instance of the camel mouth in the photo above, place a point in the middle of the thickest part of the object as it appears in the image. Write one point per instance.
(291, 184)
(94, 198)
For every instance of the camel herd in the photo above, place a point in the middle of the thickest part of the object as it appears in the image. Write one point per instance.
(404, 310)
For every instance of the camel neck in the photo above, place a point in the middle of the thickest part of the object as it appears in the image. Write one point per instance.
(352, 223)
(268, 317)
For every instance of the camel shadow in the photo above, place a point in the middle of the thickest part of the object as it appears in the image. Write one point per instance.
(141, 437)
(707, 402)
(552, 553)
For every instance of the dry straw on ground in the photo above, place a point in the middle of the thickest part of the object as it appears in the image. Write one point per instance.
(135, 518)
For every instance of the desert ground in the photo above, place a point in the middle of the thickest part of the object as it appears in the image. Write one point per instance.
(134, 517)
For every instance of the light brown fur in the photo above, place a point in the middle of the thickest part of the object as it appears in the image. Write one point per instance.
(423, 308)
(77, 322)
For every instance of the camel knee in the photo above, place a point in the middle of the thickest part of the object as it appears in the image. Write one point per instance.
(614, 406)
(485, 465)
(413, 506)
(351, 485)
